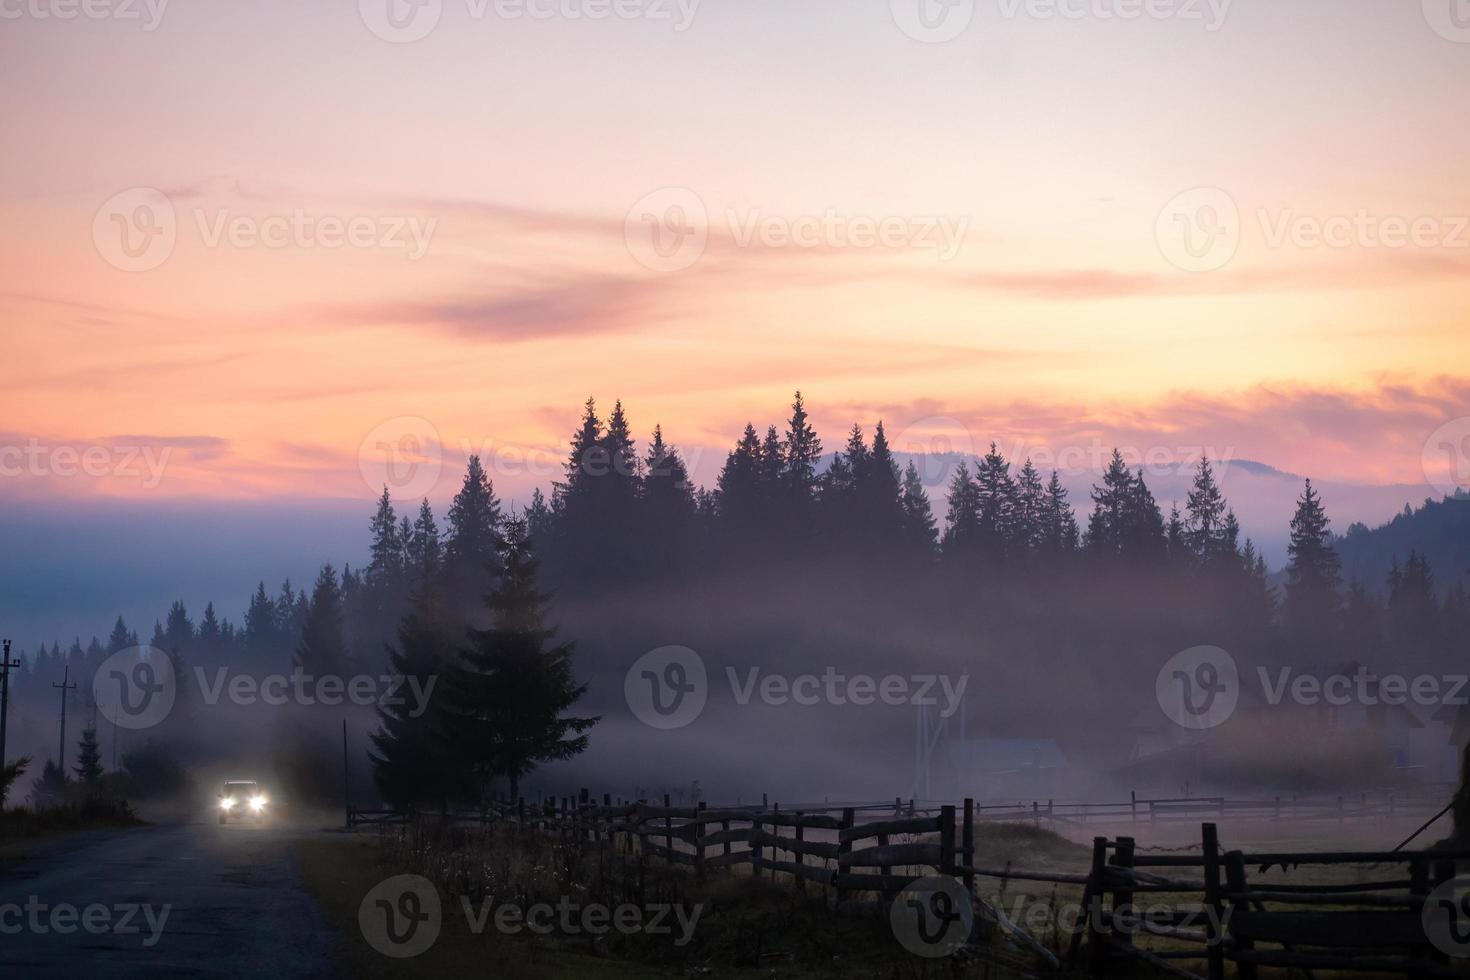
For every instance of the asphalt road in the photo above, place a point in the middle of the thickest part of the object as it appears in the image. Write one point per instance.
(191, 900)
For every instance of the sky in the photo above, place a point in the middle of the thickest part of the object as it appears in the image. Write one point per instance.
(246, 250)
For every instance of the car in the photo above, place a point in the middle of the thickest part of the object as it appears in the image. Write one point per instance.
(242, 799)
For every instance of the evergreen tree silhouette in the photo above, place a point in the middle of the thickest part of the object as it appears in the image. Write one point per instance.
(1059, 532)
(921, 534)
(262, 630)
(413, 763)
(89, 759)
(121, 638)
(962, 525)
(471, 555)
(515, 686)
(322, 649)
(669, 508)
(1314, 571)
(803, 458)
(425, 551)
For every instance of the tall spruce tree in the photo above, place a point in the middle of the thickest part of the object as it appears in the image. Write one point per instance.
(471, 555)
(322, 649)
(413, 762)
(1314, 571)
(803, 457)
(89, 760)
(515, 685)
(921, 535)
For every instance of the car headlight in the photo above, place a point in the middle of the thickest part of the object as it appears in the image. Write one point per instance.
(227, 802)
(257, 802)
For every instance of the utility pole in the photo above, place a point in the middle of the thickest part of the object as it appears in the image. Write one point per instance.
(64, 686)
(5, 664)
(346, 791)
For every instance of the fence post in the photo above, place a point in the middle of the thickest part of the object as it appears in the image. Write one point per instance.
(1097, 949)
(1235, 880)
(1214, 906)
(699, 832)
(947, 863)
(668, 832)
(967, 845)
(775, 832)
(800, 855)
(1123, 892)
(1419, 887)
(1133, 806)
(849, 819)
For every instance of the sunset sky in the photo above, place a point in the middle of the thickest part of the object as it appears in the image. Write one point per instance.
(1059, 153)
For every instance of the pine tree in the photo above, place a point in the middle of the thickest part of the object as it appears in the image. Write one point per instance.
(120, 638)
(1059, 532)
(880, 500)
(1107, 527)
(322, 650)
(425, 552)
(920, 531)
(515, 686)
(803, 456)
(1030, 509)
(1143, 537)
(471, 554)
(740, 488)
(1204, 525)
(539, 519)
(178, 632)
(996, 492)
(386, 549)
(413, 762)
(89, 759)
(1176, 542)
(668, 508)
(262, 628)
(962, 526)
(1314, 572)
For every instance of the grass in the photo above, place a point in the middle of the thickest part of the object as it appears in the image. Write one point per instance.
(22, 830)
(749, 927)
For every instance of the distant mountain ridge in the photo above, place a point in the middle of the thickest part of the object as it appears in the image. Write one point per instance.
(1438, 529)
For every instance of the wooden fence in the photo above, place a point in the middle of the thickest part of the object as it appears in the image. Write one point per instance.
(1194, 927)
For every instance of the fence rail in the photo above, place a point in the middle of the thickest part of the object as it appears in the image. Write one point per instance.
(1213, 914)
